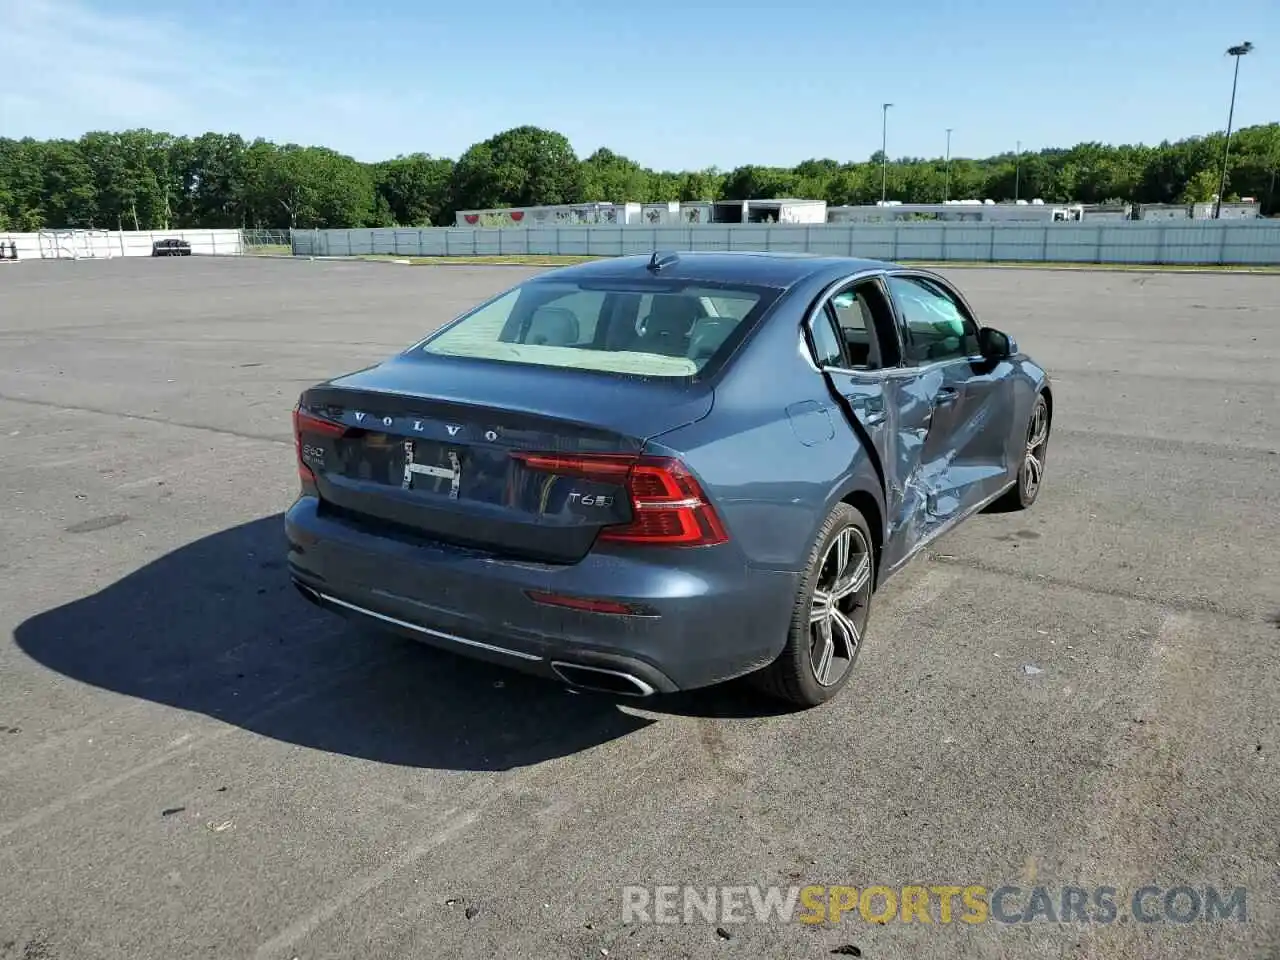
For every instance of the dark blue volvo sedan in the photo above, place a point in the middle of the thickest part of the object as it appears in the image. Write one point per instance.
(657, 473)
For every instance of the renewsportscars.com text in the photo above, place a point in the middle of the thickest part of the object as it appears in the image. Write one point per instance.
(933, 904)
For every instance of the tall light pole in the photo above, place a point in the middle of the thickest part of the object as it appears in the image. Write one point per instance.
(946, 180)
(884, 156)
(1237, 52)
(1017, 172)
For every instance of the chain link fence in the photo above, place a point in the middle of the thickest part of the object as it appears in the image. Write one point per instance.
(263, 243)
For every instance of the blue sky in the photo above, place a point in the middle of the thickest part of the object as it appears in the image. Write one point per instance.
(671, 84)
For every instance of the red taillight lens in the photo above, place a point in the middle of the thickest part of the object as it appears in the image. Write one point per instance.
(668, 505)
(669, 508)
(304, 422)
(603, 468)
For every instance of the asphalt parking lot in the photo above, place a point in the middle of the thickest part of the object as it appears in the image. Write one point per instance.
(194, 762)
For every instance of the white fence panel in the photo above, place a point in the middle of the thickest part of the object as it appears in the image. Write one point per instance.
(874, 241)
(1174, 242)
(120, 243)
(1209, 242)
(1259, 246)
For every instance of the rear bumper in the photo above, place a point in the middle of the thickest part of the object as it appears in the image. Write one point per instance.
(713, 618)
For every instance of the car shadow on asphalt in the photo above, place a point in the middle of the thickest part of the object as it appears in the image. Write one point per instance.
(215, 627)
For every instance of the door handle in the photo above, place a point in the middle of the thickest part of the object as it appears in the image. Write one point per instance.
(946, 395)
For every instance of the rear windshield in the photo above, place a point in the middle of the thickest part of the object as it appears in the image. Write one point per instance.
(659, 329)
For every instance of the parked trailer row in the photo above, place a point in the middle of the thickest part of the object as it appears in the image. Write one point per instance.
(687, 213)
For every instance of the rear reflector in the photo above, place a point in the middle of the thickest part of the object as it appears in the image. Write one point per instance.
(588, 604)
(667, 503)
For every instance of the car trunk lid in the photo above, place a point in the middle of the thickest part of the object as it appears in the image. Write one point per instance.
(431, 447)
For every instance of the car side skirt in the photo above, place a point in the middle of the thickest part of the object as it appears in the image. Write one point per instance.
(944, 527)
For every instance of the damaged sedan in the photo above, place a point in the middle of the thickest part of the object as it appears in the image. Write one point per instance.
(656, 473)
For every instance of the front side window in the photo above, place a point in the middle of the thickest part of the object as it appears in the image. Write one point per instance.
(937, 326)
(660, 329)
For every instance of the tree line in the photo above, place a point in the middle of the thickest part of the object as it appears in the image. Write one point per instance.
(144, 180)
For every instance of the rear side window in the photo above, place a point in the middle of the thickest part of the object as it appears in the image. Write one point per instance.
(849, 311)
(660, 330)
(825, 342)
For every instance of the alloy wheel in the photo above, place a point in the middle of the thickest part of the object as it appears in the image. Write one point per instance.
(1037, 444)
(840, 606)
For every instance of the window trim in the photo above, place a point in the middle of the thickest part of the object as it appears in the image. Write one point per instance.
(811, 341)
(904, 330)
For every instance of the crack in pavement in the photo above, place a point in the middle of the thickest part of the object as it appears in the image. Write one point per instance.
(71, 408)
(1186, 605)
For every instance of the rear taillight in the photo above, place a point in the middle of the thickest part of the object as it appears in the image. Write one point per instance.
(668, 507)
(304, 422)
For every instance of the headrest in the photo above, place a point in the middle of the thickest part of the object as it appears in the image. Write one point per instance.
(555, 326)
(671, 314)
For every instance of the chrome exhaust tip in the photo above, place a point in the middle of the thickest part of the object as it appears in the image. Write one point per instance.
(601, 680)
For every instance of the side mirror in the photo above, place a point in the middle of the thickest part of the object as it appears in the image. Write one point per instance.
(996, 344)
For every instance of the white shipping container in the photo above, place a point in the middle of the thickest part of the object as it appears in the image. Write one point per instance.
(559, 215)
(660, 214)
(696, 212)
(803, 211)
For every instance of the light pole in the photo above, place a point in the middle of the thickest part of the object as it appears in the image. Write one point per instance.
(946, 180)
(884, 156)
(1237, 52)
(1017, 172)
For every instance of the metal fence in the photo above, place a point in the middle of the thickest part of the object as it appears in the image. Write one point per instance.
(1220, 242)
(260, 242)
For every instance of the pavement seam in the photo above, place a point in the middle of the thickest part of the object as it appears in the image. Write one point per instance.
(1199, 605)
(1153, 444)
(49, 404)
(453, 824)
(101, 787)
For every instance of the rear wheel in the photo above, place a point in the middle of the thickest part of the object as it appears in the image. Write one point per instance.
(1031, 469)
(830, 616)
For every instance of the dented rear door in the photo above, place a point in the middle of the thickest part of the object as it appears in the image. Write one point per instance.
(892, 415)
(891, 407)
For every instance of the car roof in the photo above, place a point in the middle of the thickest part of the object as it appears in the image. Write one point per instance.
(758, 268)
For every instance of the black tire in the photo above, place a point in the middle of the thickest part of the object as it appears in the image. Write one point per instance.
(794, 675)
(1035, 448)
